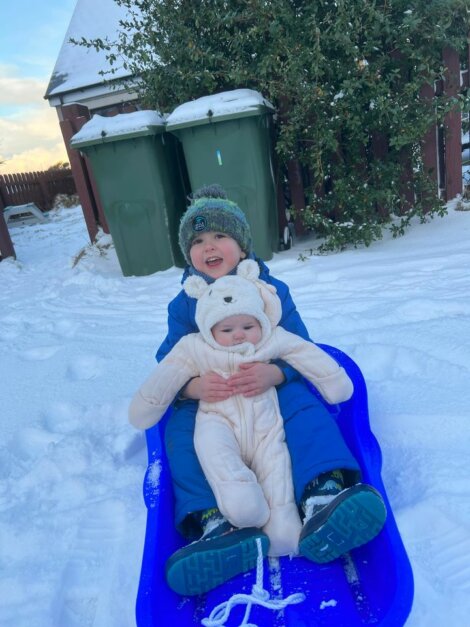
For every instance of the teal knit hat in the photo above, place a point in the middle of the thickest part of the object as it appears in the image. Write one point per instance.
(210, 210)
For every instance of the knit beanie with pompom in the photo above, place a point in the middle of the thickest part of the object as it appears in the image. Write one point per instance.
(211, 210)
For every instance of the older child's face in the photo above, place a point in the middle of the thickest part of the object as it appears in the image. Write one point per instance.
(236, 330)
(215, 254)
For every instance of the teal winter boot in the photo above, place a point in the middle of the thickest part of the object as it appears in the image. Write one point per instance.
(338, 519)
(222, 552)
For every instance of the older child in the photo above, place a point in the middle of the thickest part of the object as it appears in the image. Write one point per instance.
(240, 441)
(335, 509)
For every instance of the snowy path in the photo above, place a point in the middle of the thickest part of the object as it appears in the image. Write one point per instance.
(75, 341)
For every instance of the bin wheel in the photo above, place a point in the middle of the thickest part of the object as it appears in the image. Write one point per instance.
(286, 240)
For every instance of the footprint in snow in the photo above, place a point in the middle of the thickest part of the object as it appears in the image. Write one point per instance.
(32, 442)
(40, 353)
(444, 546)
(65, 328)
(87, 577)
(85, 368)
(63, 417)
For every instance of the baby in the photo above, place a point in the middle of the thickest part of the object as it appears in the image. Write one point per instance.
(240, 441)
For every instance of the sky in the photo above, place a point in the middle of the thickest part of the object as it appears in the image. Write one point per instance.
(77, 339)
(32, 34)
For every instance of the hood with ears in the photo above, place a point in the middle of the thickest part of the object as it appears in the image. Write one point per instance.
(231, 295)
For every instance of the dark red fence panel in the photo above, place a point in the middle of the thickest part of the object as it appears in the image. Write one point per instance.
(38, 187)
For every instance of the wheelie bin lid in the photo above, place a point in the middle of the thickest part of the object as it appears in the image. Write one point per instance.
(238, 103)
(101, 129)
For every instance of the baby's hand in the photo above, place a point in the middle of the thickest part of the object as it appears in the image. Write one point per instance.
(210, 387)
(255, 378)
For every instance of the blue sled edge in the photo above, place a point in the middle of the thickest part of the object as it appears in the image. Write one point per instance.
(373, 585)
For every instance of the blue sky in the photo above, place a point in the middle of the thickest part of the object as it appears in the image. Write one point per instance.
(32, 34)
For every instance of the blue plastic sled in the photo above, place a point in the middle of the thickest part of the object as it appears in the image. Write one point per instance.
(373, 585)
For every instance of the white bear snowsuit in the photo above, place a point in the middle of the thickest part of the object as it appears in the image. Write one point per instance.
(240, 441)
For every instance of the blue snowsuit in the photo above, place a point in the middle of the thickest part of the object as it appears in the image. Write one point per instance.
(313, 438)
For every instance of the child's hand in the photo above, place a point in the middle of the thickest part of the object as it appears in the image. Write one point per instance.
(255, 378)
(210, 387)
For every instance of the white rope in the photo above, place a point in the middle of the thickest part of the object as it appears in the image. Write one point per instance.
(258, 596)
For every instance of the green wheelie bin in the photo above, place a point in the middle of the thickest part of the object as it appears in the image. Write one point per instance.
(227, 139)
(138, 173)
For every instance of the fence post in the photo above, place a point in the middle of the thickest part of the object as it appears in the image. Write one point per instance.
(429, 142)
(6, 245)
(379, 148)
(452, 125)
(74, 117)
(44, 192)
(297, 192)
(466, 72)
(294, 175)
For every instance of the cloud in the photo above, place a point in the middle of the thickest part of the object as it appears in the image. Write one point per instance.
(30, 139)
(18, 90)
(34, 160)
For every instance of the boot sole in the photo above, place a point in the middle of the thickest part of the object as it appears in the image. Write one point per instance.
(204, 565)
(354, 518)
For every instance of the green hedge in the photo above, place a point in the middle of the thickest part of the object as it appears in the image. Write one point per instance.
(345, 77)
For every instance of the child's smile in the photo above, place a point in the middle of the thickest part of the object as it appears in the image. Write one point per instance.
(214, 261)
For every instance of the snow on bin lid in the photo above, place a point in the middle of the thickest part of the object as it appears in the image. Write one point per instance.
(229, 104)
(101, 129)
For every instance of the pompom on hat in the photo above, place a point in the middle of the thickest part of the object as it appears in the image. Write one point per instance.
(211, 210)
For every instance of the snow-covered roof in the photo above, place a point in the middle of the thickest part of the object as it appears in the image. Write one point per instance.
(235, 103)
(121, 126)
(78, 67)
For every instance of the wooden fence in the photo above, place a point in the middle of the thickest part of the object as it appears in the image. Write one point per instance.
(38, 187)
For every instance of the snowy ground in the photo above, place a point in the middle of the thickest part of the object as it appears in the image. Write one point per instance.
(76, 341)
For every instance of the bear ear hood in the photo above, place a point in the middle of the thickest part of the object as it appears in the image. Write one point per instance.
(231, 295)
(249, 269)
(195, 286)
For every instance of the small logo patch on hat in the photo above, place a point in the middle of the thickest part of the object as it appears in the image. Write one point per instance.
(199, 223)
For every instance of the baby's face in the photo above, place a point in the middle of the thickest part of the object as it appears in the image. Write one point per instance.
(236, 330)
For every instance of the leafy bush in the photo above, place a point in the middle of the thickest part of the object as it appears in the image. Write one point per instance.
(345, 76)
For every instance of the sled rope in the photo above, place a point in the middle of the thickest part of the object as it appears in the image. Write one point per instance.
(258, 596)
